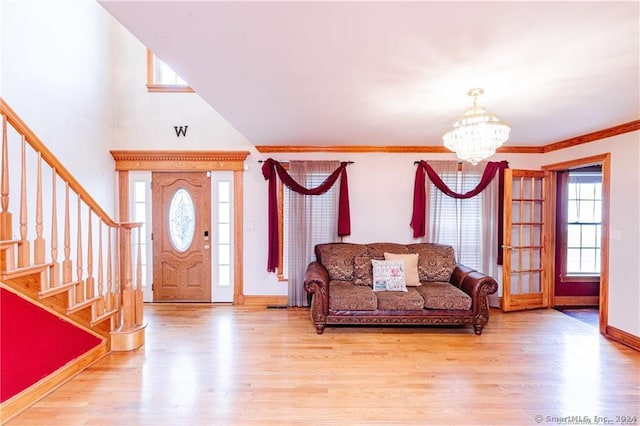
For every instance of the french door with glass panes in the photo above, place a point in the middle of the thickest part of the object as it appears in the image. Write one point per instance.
(524, 280)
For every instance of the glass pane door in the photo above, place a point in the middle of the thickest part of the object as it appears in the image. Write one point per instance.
(523, 275)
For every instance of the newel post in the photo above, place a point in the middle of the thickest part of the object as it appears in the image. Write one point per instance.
(130, 334)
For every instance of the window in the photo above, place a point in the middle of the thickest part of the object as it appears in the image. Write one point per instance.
(140, 205)
(161, 78)
(457, 222)
(310, 220)
(318, 211)
(224, 233)
(223, 259)
(182, 220)
(584, 202)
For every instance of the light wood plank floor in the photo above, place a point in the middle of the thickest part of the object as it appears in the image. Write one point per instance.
(220, 365)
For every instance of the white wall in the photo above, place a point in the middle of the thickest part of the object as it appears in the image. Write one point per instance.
(146, 120)
(624, 255)
(57, 75)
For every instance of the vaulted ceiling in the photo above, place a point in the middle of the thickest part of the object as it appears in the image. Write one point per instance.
(397, 73)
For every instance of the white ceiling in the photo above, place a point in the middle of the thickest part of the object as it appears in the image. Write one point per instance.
(397, 73)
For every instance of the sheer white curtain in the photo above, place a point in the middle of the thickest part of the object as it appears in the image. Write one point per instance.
(311, 220)
(469, 225)
(490, 237)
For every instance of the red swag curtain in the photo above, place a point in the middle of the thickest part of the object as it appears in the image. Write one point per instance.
(419, 195)
(271, 169)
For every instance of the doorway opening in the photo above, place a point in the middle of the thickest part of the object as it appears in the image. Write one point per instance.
(579, 254)
(578, 236)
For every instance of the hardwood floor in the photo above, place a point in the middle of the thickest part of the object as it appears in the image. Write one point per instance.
(221, 365)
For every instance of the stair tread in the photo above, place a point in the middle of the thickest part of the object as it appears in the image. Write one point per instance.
(56, 290)
(104, 316)
(25, 270)
(81, 305)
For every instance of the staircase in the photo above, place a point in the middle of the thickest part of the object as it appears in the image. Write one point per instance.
(60, 250)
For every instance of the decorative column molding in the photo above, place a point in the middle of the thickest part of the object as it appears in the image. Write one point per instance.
(158, 161)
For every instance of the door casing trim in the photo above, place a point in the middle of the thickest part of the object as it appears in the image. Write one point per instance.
(189, 161)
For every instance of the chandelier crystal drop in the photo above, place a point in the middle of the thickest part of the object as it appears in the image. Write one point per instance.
(478, 134)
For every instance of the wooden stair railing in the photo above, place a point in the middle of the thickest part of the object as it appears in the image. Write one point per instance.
(106, 292)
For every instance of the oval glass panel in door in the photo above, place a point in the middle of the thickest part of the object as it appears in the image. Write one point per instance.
(182, 219)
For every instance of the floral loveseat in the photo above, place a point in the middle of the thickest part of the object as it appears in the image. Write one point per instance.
(341, 285)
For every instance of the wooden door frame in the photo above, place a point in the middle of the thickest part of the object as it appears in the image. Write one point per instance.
(176, 161)
(550, 235)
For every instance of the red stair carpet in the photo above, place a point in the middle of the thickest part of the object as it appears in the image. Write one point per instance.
(34, 343)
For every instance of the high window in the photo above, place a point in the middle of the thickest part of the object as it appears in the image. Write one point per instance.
(161, 78)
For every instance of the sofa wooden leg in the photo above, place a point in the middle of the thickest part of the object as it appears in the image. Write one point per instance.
(319, 328)
(478, 328)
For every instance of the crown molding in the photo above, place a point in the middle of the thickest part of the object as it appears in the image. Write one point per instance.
(349, 148)
(620, 129)
(527, 149)
(268, 149)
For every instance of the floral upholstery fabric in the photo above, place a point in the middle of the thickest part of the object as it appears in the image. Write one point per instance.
(362, 270)
(338, 259)
(436, 262)
(377, 250)
(442, 295)
(351, 277)
(400, 301)
(344, 296)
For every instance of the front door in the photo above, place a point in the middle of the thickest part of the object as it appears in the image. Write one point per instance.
(524, 282)
(181, 237)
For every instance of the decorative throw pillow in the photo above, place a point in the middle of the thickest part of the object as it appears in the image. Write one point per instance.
(411, 267)
(388, 275)
(362, 270)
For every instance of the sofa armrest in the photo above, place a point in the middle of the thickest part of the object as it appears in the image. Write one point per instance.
(458, 275)
(473, 282)
(478, 286)
(316, 283)
(317, 273)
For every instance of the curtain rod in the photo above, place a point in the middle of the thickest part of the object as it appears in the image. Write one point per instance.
(348, 162)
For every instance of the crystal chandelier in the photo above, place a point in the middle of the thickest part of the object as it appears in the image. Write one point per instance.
(476, 136)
